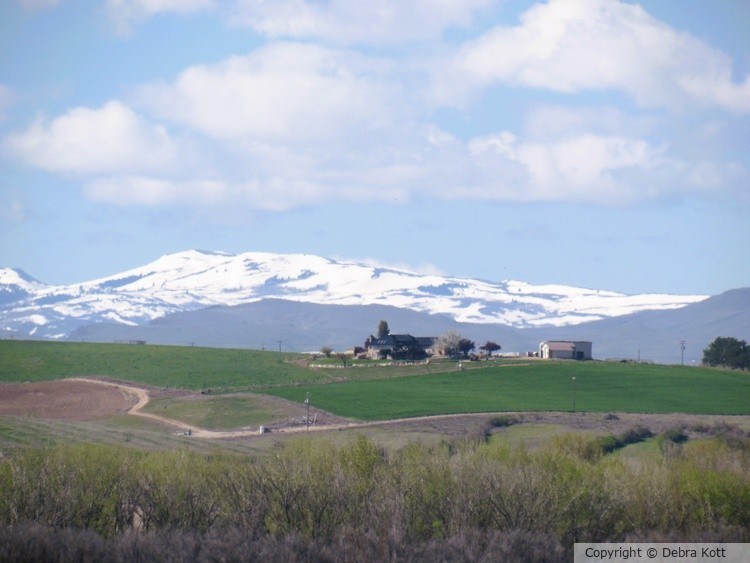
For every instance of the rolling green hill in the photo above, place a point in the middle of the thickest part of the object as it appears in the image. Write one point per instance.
(537, 386)
(393, 392)
(164, 366)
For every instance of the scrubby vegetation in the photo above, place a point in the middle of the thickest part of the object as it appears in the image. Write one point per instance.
(312, 500)
(483, 496)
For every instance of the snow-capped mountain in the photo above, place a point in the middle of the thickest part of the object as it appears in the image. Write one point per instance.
(192, 280)
(16, 285)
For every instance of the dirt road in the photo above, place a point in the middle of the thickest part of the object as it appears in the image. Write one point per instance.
(143, 399)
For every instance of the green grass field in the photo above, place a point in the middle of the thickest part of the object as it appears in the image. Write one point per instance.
(217, 412)
(383, 393)
(537, 386)
(163, 366)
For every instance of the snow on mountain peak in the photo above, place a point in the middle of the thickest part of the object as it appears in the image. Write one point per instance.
(13, 276)
(193, 279)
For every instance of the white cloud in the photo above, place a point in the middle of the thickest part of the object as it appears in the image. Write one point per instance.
(111, 138)
(574, 45)
(297, 124)
(584, 167)
(124, 13)
(356, 21)
(133, 8)
(281, 92)
(145, 191)
(549, 122)
(265, 192)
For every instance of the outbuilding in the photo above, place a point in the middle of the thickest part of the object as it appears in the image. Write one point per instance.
(565, 350)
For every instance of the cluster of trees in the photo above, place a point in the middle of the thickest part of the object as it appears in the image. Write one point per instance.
(727, 352)
(454, 345)
(314, 500)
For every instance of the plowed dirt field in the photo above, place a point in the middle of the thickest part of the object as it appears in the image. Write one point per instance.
(64, 400)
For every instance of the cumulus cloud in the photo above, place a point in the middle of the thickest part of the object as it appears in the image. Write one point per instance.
(604, 169)
(295, 124)
(573, 45)
(356, 21)
(281, 92)
(108, 139)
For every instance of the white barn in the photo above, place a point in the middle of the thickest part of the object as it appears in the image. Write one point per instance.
(565, 350)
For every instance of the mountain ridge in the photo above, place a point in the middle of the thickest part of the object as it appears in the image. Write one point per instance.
(192, 280)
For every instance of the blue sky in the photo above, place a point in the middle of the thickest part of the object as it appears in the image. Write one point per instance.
(595, 143)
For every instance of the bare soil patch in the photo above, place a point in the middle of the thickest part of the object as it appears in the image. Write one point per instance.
(64, 400)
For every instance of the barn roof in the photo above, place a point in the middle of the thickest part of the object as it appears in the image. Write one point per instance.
(401, 340)
(561, 346)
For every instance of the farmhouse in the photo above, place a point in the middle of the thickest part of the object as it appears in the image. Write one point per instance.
(399, 347)
(565, 350)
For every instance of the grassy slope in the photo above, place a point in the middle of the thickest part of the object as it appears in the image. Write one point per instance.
(217, 412)
(130, 432)
(386, 393)
(539, 386)
(163, 366)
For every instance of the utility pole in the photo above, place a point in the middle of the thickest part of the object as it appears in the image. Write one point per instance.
(682, 352)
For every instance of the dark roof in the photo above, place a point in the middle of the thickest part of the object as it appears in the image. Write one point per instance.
(392, 340)
(401, 340)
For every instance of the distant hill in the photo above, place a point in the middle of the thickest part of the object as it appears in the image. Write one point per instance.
(648, 335)
(656, 335)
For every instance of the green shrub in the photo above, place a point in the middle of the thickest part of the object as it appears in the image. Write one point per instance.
(676, 435)
(636, 434)
(504, 420)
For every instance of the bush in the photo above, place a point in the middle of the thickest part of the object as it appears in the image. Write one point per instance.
(504, 420)
(633, 435)
(676, 435)
(636, 434)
